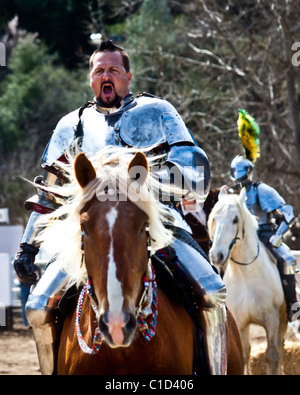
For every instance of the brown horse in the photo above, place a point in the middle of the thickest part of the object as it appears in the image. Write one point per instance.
(116, 328)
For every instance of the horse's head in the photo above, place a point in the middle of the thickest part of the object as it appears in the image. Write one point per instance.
(110, 211)
(225, 225)
(116, 256)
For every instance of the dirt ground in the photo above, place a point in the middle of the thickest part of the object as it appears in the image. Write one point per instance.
(291, 354)
(17, 351)
(18, 354)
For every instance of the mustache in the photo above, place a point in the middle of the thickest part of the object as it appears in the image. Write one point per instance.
(107, 83)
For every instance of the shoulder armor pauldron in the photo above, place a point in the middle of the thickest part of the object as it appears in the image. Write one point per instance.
(153, 121)
(269, 198)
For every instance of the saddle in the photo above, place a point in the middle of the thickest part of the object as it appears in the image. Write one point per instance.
(173, 283)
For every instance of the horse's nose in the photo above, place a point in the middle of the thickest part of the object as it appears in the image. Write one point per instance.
(103, 321)
(221, 257)
(217, 257)
(118, 330)
(130, 322)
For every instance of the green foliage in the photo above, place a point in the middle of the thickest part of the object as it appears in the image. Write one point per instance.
(36, 94)
(61, 24)
(150, 35)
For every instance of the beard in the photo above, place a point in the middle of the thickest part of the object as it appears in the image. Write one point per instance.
(116, 102)
(106, 87)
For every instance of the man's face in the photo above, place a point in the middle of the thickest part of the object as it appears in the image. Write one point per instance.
(108, 78)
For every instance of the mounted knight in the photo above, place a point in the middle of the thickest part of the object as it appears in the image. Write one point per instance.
(117, 118)
(274, 215)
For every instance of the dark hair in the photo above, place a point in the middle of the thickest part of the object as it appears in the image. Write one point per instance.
(109, 46)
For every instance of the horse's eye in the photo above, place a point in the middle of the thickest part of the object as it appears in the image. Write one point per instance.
(83, 229)
(143, 228)
(236, 220)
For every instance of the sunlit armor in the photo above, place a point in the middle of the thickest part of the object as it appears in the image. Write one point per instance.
(142, 122)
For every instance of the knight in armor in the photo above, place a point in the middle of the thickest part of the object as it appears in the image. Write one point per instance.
(274, 216)
(116, 117)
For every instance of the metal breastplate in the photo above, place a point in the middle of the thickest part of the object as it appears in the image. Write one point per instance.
(144, 122)
(253, 205)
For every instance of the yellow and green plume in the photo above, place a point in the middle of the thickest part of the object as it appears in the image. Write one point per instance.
(249, 132)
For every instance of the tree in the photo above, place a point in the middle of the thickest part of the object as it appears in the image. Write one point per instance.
(62, 25)
(209, 58)
(246, 46)
(35, 95)
(224, 55)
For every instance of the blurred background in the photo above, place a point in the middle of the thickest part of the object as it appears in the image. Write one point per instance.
(207, 57)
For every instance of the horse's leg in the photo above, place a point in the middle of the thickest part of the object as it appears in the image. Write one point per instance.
(282, 330)
(272, 326)
(244, 331)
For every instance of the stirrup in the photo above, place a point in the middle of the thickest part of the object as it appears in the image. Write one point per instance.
(45, 335)
(40, 314)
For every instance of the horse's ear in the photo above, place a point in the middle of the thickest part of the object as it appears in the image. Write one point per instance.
(138, 168)
(223, 192)
(84, 170)
(243, 196)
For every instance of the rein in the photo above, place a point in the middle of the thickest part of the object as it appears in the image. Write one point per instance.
(236, 238)
(97, 341)
(248, 263)
(149, 295)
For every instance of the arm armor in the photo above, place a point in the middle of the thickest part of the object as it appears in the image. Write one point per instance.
(43, 202)
(188, 167)
(286, 214)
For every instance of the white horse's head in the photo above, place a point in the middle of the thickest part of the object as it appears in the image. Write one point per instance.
(227, 224)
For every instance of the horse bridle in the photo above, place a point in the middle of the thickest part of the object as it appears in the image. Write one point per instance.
(149, 296)
(147, 280)
(235, 239)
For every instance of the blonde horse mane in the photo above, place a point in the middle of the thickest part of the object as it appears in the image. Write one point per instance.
(60, 231)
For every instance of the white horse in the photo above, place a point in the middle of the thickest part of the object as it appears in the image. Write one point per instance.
(255, 293)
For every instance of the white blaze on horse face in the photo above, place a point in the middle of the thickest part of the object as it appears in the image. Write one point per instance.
(224, 233)
(114, 288)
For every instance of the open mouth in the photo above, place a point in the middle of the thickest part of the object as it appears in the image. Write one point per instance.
(107, 88)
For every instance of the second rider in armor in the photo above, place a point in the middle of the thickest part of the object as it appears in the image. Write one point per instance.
(274, 218)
